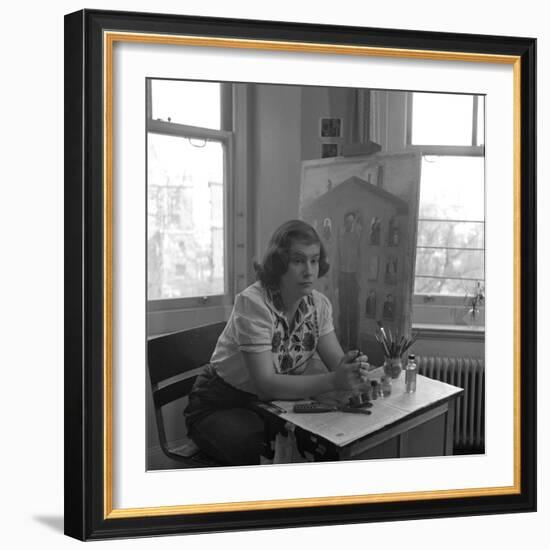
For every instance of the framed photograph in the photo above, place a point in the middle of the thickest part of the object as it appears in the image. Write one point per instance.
(192, 159)
(331, 127)
(329, 150)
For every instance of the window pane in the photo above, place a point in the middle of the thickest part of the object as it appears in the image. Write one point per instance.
(451, 234)
(452, 188)
(448, 287)
(190, 103)
(442, 119)
(449, 263)
(185, 231)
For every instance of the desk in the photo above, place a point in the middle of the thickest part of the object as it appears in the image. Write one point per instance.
(401, 425)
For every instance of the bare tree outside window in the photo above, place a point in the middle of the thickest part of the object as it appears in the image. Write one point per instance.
(450, 244)
(449, 130)
(185, 191)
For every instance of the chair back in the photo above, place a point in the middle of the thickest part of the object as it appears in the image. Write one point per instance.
(169, 357)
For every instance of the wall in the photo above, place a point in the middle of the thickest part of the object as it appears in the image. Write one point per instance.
(322, 102)
(393, 110)
(276, 128)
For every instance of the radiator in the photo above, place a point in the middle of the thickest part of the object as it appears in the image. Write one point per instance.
(469, 374)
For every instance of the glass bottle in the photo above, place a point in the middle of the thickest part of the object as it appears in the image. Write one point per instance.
(410, 375)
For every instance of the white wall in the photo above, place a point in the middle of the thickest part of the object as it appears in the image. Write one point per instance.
(276, 156)
(32, 272)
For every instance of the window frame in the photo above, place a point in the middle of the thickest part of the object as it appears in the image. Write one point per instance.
(225, 136)
(473, 150)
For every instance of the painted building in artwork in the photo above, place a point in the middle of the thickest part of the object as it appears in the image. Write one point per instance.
(364, 230)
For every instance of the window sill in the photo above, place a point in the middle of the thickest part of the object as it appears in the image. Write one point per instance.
(449, 332)
(446, 316)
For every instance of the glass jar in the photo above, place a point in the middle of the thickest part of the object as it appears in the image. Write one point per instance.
(393, 366)
(385, 385)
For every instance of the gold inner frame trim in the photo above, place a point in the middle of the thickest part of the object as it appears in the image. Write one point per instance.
(303, 47)
(301, 502)
(109, 39)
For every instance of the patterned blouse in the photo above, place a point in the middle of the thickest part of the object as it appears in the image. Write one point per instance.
(258, 324)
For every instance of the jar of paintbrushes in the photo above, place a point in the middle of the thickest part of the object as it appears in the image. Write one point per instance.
(394, 345)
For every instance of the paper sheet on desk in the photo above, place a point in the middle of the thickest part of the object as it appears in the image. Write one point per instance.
(427, 392)
(343, 428)
(339, 427)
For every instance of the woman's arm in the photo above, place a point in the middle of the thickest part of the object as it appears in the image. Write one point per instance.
(333, 356)
(271, 385)
(330, 351)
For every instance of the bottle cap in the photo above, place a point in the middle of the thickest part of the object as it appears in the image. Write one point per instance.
(411, 356)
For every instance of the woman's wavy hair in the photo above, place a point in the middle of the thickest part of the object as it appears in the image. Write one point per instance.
(277, 255)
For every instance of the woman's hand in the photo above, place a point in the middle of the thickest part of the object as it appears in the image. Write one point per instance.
(355, 356)
(350, 376)
(352, 371)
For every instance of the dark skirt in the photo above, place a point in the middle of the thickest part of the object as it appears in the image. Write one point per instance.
(211, 393)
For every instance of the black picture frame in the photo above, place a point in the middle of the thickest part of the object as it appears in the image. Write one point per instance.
(88, 512)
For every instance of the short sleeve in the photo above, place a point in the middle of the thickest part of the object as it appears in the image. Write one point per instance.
(324, 312)
(253, 324)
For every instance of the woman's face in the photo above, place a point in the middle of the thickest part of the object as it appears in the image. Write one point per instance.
(303, 269)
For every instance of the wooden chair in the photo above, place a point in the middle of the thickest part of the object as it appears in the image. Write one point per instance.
(174, 362)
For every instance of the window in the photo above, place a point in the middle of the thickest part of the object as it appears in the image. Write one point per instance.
(449, 131)
(447, 120)
(187, 192)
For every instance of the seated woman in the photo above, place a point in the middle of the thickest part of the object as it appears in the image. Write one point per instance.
(276, 326)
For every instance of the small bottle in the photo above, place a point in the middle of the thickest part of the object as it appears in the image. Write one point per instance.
(375, 390)
(356, 400)
(367, 394)
(410, 375)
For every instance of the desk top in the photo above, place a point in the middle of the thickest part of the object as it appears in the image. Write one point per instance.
(343, 428)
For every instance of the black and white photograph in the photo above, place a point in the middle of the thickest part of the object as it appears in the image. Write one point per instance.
(263, 256)
(329, 150)
(331, 127)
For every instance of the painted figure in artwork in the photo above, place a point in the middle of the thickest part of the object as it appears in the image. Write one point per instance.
(370, 305)
(349, 264)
